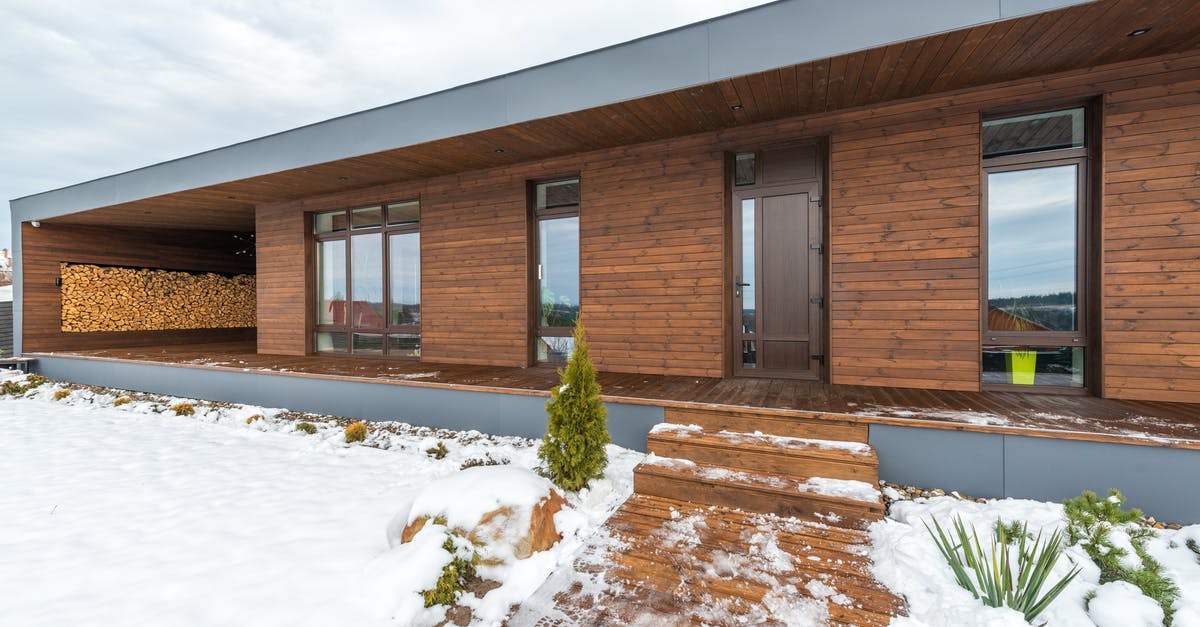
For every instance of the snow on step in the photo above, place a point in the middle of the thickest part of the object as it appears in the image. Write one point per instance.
(758, 437)
(839, 488)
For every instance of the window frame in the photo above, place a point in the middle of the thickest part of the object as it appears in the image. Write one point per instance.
(384, 231)
(535, 217)
(1083, 158)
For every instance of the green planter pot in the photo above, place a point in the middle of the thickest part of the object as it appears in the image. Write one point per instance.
(1021, 366)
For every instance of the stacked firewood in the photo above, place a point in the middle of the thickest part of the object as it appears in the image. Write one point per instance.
(96, 298)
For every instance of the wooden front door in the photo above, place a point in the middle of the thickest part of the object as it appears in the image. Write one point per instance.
(778, 299)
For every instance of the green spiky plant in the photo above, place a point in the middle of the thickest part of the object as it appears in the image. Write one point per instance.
(572, 451)
(994, 576)
(1090, 519)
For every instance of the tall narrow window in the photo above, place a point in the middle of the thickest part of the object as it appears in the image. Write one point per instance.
(556, 298)
(1035, 192)
(368, 265)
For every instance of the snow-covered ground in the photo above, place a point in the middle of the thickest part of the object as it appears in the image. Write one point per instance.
(907, 561)
(132, 515)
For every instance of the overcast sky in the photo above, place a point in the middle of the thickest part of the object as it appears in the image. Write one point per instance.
(95, 88)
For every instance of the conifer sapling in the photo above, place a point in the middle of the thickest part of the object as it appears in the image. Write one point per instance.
(572, 451)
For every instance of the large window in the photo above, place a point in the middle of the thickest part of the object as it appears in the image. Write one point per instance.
(556, 275)
(368, 282)
(1035, 169)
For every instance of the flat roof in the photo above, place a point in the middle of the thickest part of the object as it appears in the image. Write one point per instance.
(774, 35)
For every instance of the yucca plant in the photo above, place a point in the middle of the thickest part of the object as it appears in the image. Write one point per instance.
(1012, 573)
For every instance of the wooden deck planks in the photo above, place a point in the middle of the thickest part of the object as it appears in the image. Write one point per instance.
(1153, 423)
(661, 561)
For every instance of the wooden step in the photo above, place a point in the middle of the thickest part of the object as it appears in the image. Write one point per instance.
(853, 504)
(809, 425)
(766, 453)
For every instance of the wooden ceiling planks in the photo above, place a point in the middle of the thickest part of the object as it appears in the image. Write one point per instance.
(1074, 38)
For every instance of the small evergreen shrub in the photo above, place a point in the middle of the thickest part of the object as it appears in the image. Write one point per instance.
(486, 460)
(1090, 520)
(1194, 547)
(306, 427)
(356, 432)
(999, 580)
(12, 388)
(572, 452)
(61, 394)
(452, 581)
(183, 409)
(253, 419)
(124, 400)
(437, 452)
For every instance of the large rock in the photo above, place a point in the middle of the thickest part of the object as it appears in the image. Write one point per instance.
(506, 511)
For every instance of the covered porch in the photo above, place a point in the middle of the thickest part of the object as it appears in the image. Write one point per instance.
(1167, 424)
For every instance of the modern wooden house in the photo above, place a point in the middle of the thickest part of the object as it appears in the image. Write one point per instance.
(967, 231)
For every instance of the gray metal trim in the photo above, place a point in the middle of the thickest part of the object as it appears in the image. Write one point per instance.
(773, 35)
(489, 412)
(1159, 480)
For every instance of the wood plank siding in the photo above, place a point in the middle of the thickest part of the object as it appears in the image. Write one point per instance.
(1151, 243)
(905, 253)
(46, 247)
(903, 265)
(651, 231)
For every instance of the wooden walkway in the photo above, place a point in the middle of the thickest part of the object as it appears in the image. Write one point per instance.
(665, 562)
(1045, 415)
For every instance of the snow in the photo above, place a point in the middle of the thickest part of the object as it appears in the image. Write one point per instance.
(844, 488)
(131, 515)
(758, 437)
(464, 497)
(1121, 604)
(906, 560)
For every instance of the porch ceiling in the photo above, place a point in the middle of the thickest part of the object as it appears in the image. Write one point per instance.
(1067, 39)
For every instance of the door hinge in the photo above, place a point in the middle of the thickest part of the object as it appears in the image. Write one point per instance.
(817, 199)
(820, 248)
(817, 300)
(819, 358)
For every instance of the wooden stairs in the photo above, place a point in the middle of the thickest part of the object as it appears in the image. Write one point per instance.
(812, 469)
(737, 518)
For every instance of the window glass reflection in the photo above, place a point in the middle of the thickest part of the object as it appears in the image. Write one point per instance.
(1032, 261)
(1052, 130)
(404, 273)
(366, 280)
(749, 308)
(558, 254)
(331, 282)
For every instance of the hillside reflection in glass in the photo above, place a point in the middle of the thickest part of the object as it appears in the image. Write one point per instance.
(1031, 249)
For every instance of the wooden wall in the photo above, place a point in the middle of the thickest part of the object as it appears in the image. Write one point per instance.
(44, 248)
(904, 259)
(651, 228)
(283, 280)
(1152, 243)
(905, 244)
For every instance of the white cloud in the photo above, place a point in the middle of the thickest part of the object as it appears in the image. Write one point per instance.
(92, 89)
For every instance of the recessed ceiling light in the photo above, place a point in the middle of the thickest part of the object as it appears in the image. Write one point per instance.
(498, 151)
(343, 178)
(737, 107)
(1139, 32)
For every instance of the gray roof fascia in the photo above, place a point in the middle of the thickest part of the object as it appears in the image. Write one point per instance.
(783, 33)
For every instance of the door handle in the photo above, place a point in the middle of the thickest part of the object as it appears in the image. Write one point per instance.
(737, 287)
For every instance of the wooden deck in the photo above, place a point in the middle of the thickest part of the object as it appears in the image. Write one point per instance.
(659, 561)
(1039, 415)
